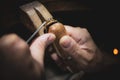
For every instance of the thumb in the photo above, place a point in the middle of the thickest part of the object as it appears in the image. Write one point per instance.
(69, 45)
(37, 48)
(73, 49)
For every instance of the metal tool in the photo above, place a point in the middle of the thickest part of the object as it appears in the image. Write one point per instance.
(31, 37)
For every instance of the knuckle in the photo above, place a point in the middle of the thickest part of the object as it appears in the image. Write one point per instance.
(13, 48)
(85, 29)
(82, 29)
(8, 40)
(12, 42)
(23, 46)
(78, 28)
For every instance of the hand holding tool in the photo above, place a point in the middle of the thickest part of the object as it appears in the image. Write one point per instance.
(36, 16)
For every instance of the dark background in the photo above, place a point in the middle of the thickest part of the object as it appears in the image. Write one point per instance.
(101, 18)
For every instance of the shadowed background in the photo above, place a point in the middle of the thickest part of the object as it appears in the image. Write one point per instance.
(101, 18)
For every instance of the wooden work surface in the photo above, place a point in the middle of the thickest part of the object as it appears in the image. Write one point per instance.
(9, 15)
(92, 14)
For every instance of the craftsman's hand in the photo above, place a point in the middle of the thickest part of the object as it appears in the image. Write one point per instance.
(18, 61)
(80, 46)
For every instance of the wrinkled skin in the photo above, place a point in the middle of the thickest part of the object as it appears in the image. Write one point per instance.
(20, 61)
(79, 44)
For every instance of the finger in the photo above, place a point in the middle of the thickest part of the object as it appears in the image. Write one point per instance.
(38, 47)
(58, 61)
(84, 40)
(55, 57)
(74, 50)
(12, 45)
(16, 58)
(74, 32)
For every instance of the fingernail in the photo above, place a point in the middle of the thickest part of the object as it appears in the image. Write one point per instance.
(65, 42)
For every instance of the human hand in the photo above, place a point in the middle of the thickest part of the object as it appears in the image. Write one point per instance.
(18, 61)
(79, 45)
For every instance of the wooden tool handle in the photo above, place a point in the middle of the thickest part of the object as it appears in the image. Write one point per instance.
(34, 14)
(59, 30)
